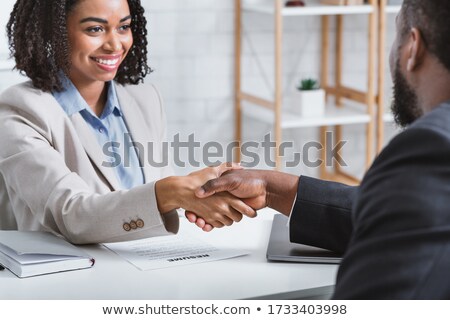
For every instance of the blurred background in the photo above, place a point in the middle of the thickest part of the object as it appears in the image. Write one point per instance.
(191, 49)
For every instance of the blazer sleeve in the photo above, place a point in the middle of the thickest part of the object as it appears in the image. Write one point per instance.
(321, 216)
(47, 195)
(400, 248)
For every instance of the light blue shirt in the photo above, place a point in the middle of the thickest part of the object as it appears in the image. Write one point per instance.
(110, 130)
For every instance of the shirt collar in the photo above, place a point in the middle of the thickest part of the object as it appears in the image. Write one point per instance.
(112, 102)
(72, 102)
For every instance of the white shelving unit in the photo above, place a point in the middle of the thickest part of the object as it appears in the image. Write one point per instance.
(392, 9)
(338, 113)
(310, 10)
(334, 116)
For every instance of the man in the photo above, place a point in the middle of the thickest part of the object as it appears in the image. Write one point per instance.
(394, 229)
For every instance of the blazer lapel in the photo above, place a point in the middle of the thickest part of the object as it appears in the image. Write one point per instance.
(136, 125)
(90, 144)
(94, 151)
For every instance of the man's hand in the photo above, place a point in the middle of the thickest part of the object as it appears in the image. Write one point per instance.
(257, 188)
(248, 185)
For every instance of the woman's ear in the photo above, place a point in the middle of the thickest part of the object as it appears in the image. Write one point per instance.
(416, 49)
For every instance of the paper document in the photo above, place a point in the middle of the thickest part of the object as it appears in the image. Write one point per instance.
(170, 251)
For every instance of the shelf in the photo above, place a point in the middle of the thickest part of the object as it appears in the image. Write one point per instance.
(333, 116)
(276, 110)
(393, 9)
(310, 10)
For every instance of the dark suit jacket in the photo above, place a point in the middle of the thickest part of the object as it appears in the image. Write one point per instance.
(394, 229)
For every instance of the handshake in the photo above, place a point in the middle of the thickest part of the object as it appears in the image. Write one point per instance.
(219, 196)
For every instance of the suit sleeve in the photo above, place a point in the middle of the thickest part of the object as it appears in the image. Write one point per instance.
(400, 247)
(322, 214)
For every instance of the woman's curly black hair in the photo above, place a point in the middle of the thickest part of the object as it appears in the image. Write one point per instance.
(38, 41)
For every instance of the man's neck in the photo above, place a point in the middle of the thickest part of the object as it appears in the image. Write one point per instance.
(434, 87)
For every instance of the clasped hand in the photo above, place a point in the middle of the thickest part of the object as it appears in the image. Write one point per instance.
(224, 194)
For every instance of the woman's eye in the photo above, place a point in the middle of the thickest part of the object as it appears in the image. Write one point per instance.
(95, 29)
(124, 27)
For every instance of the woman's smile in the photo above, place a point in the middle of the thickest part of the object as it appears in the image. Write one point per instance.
(108, 62)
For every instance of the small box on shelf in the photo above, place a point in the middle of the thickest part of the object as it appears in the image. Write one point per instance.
(342, 2)
(295, 3)
(310, 99)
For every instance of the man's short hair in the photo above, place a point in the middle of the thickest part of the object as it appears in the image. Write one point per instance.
(431, 17)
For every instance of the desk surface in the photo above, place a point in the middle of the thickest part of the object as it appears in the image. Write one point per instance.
(246, 277)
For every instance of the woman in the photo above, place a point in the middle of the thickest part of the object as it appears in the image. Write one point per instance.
(85, 59)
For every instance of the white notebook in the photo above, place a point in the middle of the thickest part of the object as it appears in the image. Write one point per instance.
(30, 253)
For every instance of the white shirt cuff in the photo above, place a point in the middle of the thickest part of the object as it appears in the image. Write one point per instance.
(292, 209)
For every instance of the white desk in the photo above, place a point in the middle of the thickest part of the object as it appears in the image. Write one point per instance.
(246, 277)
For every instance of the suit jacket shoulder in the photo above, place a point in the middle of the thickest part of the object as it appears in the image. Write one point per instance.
(401, 227)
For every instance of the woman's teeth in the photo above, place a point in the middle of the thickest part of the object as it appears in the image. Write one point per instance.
(107, 62)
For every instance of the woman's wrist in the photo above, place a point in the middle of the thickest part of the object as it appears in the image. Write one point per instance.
(167, 192)
(174, 192)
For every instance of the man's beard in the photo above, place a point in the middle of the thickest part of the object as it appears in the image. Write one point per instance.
(405, 105)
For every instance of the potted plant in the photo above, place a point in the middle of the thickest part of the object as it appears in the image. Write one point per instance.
(311, 98)
(295, 3)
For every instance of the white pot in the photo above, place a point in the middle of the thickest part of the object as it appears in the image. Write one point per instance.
(310, 103)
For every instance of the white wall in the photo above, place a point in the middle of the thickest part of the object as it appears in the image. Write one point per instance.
(7, 78)
(191, 49)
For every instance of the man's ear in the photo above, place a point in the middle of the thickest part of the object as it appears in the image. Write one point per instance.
(416, 49)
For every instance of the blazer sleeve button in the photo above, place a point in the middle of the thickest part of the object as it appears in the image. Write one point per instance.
(133, 224)
(126, 227)
(140, 223)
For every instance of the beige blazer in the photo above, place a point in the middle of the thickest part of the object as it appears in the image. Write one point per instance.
(51, 172)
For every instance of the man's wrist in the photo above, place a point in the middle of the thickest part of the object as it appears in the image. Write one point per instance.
(281, 191)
